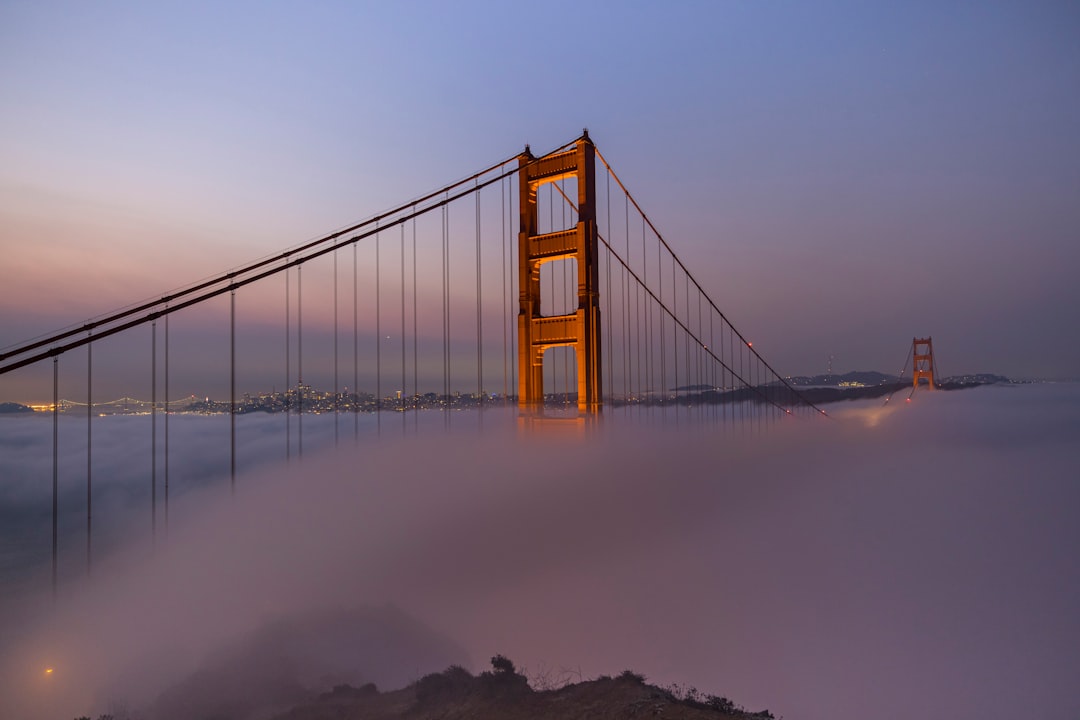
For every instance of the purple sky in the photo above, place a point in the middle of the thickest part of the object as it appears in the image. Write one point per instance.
(840, 176)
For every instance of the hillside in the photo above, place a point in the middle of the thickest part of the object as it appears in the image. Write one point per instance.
(455, 694)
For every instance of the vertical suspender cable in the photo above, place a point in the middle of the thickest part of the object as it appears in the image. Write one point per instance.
(772, 395)
(89, 465)
(752, 368)
(401, 399)
(743, 408)
(646, 321)
(742, 376)
(479, 313)
(288, 372)
(687, 333)
(763, 382)
(686, 338)
(737, 346)
(731, 367)
(505, 312)
(232, 390)
(751, 406)
(166, 468)
(648, 314)
(55, 464)
(607, 295)
(337, 387)
(448, 337)
(757, 386)
(378, 336)
(656, 313)
(755, 407)
(637, 320)
(446, 310)
(719, 373)
(515, 290)
(153, 427)
(727, 373)
(697, 359)
(769, 400)
(763, 410)
(731, 373)
(442, 249)
(299, 361)
(723, 372)
(628, 367)
(675, 329)
(711, 364)
(355, 348)
(663, 350)
(415, 329)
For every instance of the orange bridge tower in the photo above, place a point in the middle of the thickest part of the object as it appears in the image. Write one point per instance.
(922, 356)
(581, 329)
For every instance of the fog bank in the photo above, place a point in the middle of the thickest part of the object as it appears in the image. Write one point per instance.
(914, 560)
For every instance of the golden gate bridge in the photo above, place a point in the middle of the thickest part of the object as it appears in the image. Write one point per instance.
(528, 284)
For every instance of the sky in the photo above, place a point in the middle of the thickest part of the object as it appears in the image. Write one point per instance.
(915, 560)
(840, 176)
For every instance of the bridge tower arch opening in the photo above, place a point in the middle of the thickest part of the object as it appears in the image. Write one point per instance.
(580, 329)
(922, 357)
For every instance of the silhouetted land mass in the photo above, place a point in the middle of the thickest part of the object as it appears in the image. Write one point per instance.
(860, 385)
(455, 694)
(858, 378)
(13, 407)
(285, 669)
(817, 389)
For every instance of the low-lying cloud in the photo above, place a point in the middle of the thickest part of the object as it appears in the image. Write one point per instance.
(910, 560)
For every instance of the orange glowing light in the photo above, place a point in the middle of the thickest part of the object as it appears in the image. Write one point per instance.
(48, 671)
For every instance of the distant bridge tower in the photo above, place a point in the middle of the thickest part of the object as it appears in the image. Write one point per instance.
(580, 330)
(922, 357)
